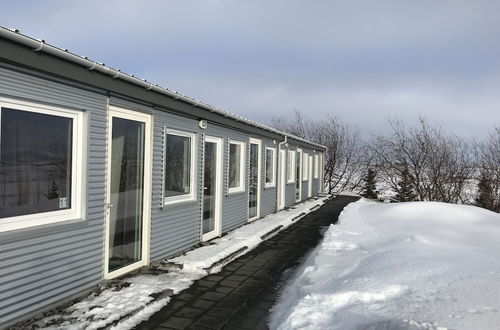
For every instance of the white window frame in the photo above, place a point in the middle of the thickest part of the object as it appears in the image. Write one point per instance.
(316, 166)
(241, 187)
(305, 166)
(273, 167)
(259, 174)
(291, 166)
(78, 184)
(219, 159)
(192, 173)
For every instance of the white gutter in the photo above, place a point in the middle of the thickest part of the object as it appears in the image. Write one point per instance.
(41, 46)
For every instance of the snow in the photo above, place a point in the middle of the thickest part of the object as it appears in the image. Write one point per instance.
(249, 236)
(418, 265)
(126, 306)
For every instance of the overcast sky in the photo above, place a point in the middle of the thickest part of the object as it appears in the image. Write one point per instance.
(362, 61)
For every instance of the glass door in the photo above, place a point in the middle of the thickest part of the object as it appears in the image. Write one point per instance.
(298, 176)
(212, 179)
(254, 187)
(310, 176)
(127, 204)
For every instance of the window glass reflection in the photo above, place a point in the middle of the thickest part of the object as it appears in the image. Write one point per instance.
(35, 162)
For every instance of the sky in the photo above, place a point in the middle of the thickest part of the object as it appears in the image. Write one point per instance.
(360, 61)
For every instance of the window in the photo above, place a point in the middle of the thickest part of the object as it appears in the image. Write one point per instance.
(270, 167)
(291, 166)
(236, 168)
(179, 167)
(298, 175)
(316, 166)
(40, 165)
(305, 170)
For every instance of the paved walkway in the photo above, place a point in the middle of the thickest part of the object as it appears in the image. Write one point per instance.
(241, 295)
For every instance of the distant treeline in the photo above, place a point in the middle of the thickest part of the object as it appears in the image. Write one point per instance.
(418, 162)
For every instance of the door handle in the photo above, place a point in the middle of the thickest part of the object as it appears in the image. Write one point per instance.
(111, 205)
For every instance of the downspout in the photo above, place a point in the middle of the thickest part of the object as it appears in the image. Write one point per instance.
(279, 169)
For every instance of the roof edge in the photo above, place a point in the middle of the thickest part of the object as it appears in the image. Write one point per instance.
(41, 46)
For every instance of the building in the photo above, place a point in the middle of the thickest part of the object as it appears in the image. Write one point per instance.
(102, 173)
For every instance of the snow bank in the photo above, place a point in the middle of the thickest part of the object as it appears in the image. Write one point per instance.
(420, 265)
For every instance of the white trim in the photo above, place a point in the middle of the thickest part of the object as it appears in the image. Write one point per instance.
(192, 171)
(305, 168)
(78, 184)
(299, 161)
(273, 167)
(259, 175)
(316, 166)
(146, 216)
(218, 193)
(282, 183)
(321, 174)
(310, 174)
(241, 187)
(291, 166)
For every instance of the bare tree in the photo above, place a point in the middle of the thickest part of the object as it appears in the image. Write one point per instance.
(439, 164)
(346, 158)
(488, 164)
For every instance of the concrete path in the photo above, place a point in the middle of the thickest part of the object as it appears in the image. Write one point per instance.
(241, 295)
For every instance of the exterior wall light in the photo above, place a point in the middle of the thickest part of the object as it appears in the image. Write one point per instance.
(203, 124)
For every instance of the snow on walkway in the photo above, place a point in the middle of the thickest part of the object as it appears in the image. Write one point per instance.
(420, 265)
(133, 304)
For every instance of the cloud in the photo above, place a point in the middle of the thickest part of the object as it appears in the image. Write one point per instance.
(360, 60)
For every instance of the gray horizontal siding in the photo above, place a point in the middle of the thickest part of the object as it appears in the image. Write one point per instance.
(268, 195)
(290, 187)
(304, 190)
(305, 183)
(315, 182)
(52, 294)
(235, 205)
(235, 211)
(268, 201)
(130, 105)
(290, 194)
(43, 265)
(315, 187)
(40, 266)
(176, 227)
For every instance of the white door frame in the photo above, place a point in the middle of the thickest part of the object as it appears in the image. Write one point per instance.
(300, 154)
(282, 182)
(218, 189)
(321, 174)
(309, 184)
(259, 174)
(146, 212)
